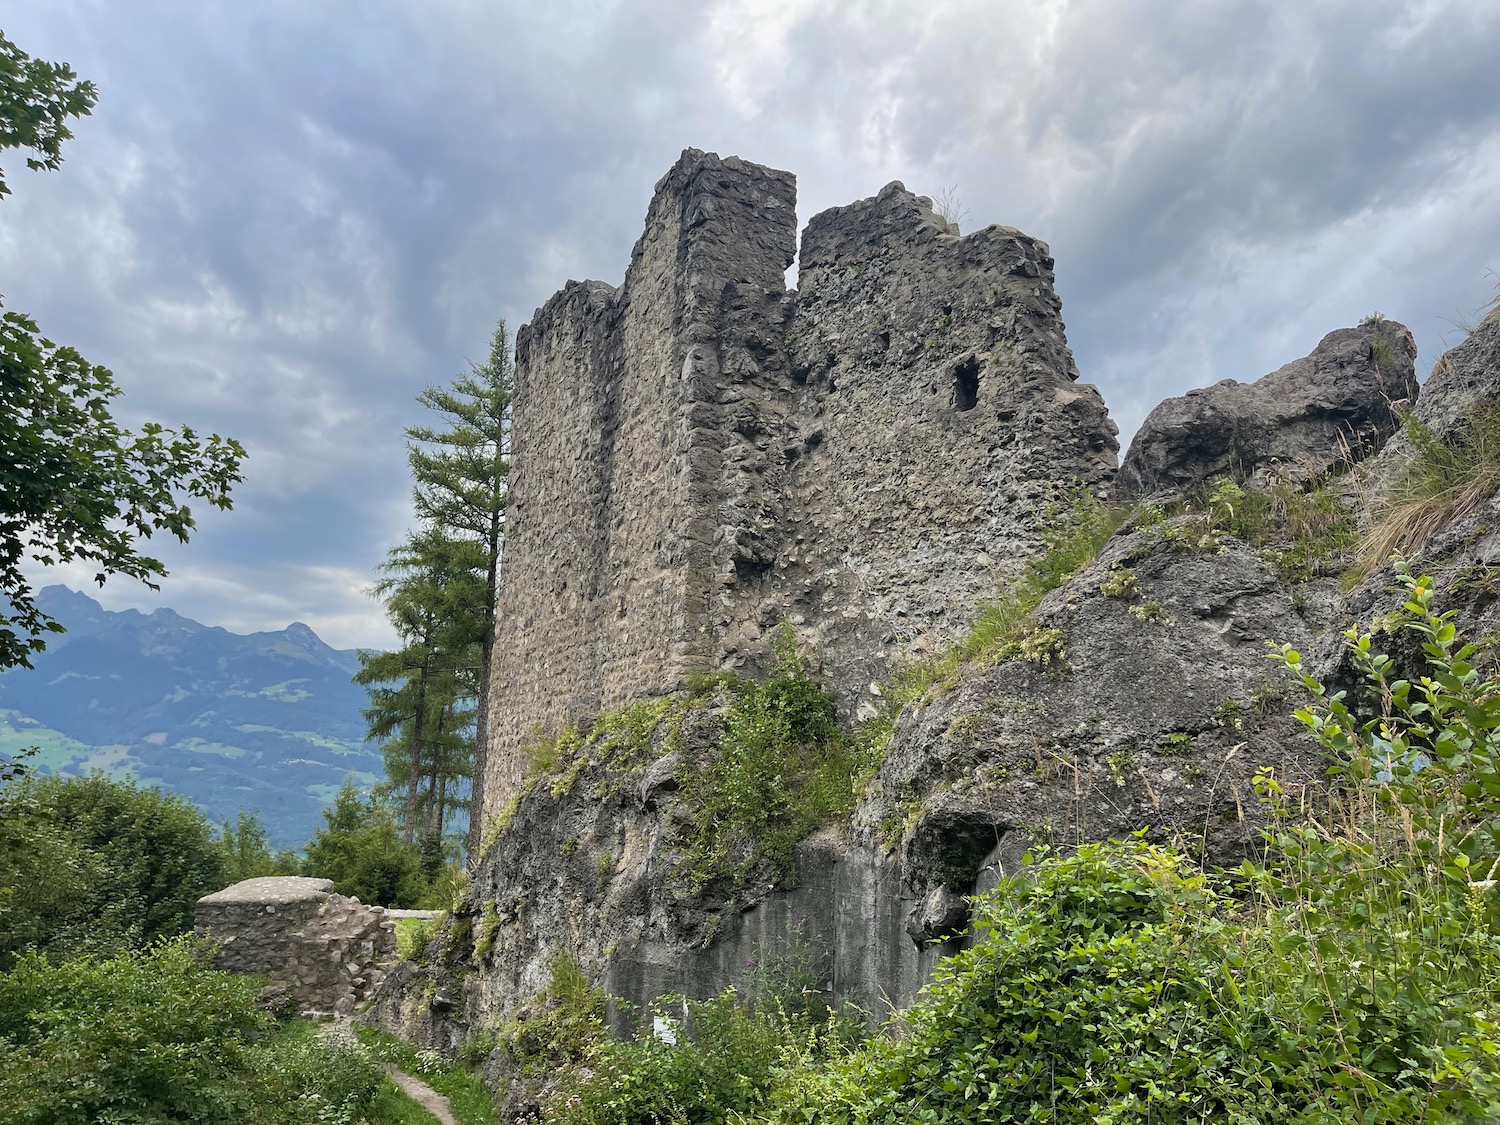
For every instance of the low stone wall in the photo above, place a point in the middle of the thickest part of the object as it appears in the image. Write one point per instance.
(328, 951)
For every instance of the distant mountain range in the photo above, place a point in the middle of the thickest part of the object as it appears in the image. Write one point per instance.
(269, 722)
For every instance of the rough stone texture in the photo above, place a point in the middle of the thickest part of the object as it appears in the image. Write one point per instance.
(620, 471)
(1463, 556)
(1159, 726)
(700, 454)
(938, 414)
(1464, 377)
(1331, 406)
(328, 951)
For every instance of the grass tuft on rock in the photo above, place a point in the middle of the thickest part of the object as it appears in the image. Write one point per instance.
(1440, 482)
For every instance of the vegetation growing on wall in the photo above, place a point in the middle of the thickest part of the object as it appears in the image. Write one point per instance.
(1003, 629)
(773, 767)
(1352, 975)
(780, 770)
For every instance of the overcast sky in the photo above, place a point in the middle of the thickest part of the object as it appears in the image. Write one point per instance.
(284, 218)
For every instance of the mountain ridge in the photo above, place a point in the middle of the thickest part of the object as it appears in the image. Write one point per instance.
(268, 721)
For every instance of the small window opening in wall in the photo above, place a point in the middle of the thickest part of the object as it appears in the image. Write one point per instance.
(966, 384)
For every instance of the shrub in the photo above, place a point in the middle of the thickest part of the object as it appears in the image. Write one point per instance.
(780, 769)
(701, 1062)
(153, 1037)
(361, 849)
(1079, 1005)
(95, 865)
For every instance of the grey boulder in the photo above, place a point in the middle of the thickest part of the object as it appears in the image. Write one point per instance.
(1339, 403)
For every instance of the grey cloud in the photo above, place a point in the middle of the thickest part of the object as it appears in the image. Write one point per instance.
(285, 218)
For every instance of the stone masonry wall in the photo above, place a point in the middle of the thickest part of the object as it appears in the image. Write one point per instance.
(328, 951)
(937, 416)
(699, 454)
(618, 448)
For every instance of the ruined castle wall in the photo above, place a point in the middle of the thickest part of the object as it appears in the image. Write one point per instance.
(699, 455)
(326, 951)
(547, 660)
(939, 415)
(619, 456)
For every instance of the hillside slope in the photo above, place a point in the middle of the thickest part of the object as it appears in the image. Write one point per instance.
(265, 721)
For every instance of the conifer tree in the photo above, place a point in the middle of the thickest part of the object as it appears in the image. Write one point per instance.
(429, 700)
(419, 692)
(462, 471)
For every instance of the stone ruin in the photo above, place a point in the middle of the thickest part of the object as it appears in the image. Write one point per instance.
(326, 951)
(701, 454)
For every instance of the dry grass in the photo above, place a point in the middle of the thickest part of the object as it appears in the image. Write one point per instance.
(1440, 483)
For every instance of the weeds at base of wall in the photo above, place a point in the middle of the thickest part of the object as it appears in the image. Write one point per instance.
(1352, 975)
(559, 1030)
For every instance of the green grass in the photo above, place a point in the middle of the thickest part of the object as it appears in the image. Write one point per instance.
(466, 1092)
(392, 1107)
(217, 749)
(1302, 532)
(413, 935)
(55, 749)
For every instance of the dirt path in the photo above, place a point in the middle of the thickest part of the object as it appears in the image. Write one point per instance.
(423, 1094)
(414, 1088)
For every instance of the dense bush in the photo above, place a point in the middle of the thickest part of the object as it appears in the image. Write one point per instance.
(780, 769)
(1085, 1003)
(360, 847)
(152, 1036)
(92, 865)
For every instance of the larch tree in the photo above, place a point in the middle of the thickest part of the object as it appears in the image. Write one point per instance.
(461, 468)
(419, 692)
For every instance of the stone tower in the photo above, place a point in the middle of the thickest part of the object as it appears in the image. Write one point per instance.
(700, 454)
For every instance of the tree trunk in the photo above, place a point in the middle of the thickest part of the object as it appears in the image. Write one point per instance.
(414, 778)
(482, 701)
(434, 818)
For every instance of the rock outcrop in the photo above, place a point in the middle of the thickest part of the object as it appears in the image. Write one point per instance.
(1160, 714)
(1166, 711)
(1465, 378)
(327, 952)
(700, 454)
(1336, 405)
